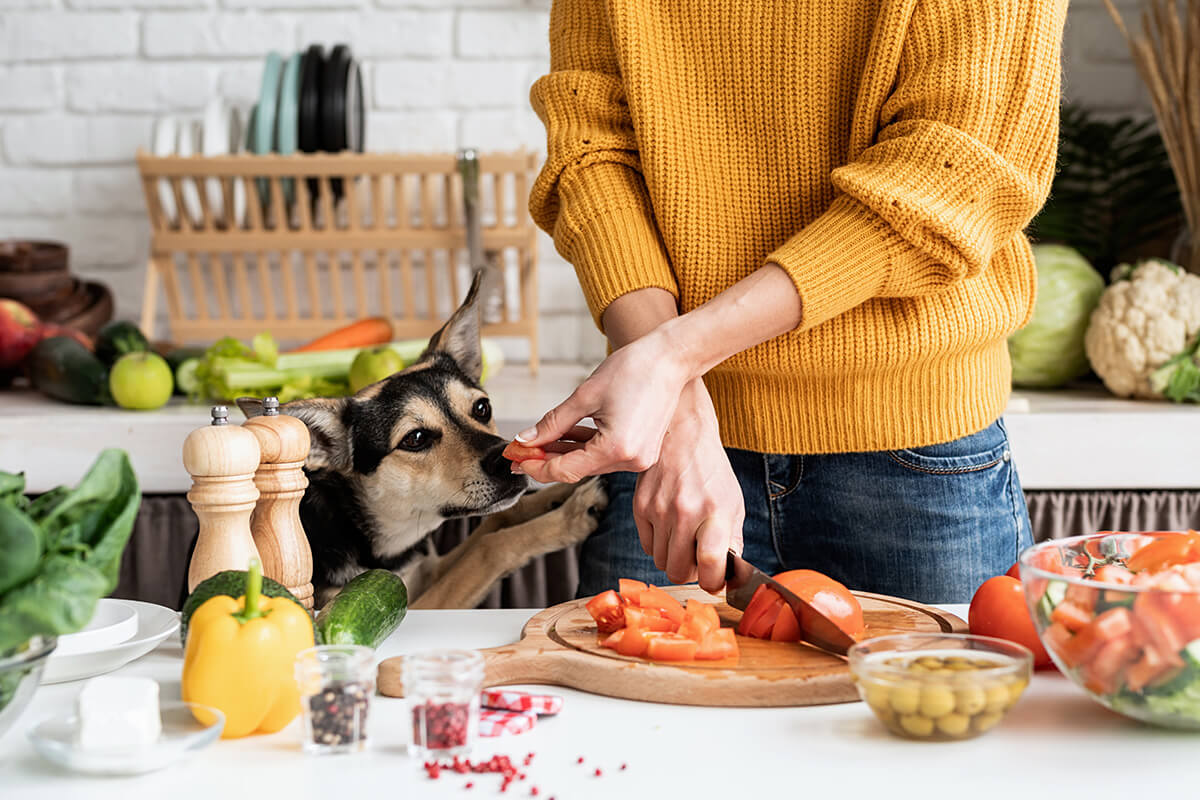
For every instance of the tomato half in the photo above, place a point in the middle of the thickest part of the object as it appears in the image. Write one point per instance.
(718, 644)
(607, 610)
(517, 452)
(671, 647)
(998, 609)
(829, 597)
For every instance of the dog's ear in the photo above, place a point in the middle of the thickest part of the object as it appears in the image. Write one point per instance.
(331, 447)
(250, 406)
(459, 337)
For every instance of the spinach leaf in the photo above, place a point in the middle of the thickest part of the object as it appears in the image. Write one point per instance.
(12, 489)
(21, 543)
(60, 599)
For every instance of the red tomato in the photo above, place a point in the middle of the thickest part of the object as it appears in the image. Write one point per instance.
(1184, 609)
(630, 589)
(517, 452)
(1166, 551)
(787, 628)
(635, 642)
(1150, 669)
(671, 647)
(1056, 637)
(613, 640)
(827, 596)
(758, 604)
(648, 619)
(655, 597)
(1070, 616)
(1157, 626)
(762, 627)
(1104, 673)
(1084, 597)
(607, 610)
(699, 619)
(719, 644)
(998, 609)
(1014, 571)
(1084, 645)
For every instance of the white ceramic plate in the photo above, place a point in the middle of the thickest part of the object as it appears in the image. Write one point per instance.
(54, 740)
(155, 623)
(166, 138)
(189, 145)
(114, 622)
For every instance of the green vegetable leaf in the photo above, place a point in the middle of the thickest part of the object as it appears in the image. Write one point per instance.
(60, 599)
(12, 489)
(265, 349)
(1178, 380)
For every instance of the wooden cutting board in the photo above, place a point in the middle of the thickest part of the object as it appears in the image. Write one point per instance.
(560, 647)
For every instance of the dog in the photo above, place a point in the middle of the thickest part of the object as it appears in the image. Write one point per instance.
(391, 463)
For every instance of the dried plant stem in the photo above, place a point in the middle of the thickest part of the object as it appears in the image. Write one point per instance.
(1167, 55)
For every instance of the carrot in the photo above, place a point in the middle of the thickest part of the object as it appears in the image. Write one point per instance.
(363, 333)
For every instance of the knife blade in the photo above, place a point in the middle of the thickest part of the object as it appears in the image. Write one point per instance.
(742, 579)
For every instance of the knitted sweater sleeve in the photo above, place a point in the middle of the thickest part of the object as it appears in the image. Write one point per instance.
(962, 159)
(591, 195)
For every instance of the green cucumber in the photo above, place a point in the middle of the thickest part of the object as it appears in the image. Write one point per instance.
(187, 382)
(365, 611)
(62, 368)
(231, 583)
(1054, 594)
(118, 338)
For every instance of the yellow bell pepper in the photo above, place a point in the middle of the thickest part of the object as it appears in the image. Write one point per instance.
(240, 656)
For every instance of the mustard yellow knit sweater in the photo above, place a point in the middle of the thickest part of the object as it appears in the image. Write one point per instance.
(886, 153)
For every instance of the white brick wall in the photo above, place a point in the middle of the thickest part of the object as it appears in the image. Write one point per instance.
(81, 80)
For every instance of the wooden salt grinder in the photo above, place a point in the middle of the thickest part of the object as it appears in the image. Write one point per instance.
(221, 459)
(275, 524)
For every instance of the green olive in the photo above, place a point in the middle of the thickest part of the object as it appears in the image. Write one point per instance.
(905, 699)
(987, 721)
(877, 696)
(960, 665)
(996, 698)
(954, 724)
(936, 701)
(916, 725)
(1015, 689)
(930, 662)
(970, 700)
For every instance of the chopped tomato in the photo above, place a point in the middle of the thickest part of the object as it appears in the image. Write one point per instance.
(762, 627)
(787, 628)
(1070, 616)
(1157, 627)
(517, 452)
(1084, 597)
(650, 619)
(1149, 669)
(1112, 624)
(718, 644)
(759, 603)
(671, 647)
(1056, 636)
(1114, 573)
(1183, 608)
(635, 642)
(613, 640)
(1167, 550)
(699, 619)
(607, 610)
(1103, 674)
(631, 590)
(655, 597)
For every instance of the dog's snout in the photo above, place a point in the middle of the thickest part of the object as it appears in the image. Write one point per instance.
(495, 465)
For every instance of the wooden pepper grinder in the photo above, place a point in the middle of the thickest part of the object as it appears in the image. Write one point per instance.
(221, 458)
(275, 524)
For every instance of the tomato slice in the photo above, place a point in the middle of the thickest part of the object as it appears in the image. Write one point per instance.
(671, 647)
(787, 628)
(649, 619)
(760, 601)
(635, 642)
(718, 644)
(607, 610)
(1166, 550)
(764, 624)
(517, 452)
(655, 597)
(631, 590)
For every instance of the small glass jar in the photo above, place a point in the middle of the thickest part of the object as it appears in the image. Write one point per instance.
(336, 683)
(443, 687)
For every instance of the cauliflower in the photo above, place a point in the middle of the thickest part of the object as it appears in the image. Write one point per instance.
(1142, 337)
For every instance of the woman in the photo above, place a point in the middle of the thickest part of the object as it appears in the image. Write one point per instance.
(799, 224)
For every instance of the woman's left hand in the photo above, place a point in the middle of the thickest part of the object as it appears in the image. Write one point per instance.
(631, 398)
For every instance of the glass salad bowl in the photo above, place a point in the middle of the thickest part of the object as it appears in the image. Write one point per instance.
(1119, 613)
(20, 674)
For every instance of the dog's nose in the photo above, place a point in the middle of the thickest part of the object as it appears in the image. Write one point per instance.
(495, 465)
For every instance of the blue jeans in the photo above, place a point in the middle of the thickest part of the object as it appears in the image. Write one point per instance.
(929, 524)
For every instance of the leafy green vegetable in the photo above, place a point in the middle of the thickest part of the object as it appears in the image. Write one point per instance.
(1179, 379)
(229, 370)
(1049, 350)
(22, 543)
(83, 532)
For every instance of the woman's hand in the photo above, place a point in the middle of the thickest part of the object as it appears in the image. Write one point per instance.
(631, 398)
(689, 507)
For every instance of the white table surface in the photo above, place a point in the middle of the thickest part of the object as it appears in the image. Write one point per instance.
(1055, 744)
(1080, 438)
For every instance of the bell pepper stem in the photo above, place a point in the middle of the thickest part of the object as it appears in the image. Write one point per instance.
(250, 609)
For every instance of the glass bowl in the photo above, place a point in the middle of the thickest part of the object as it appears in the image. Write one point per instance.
(20, 674)
(55, 740)
(1133, 647)
(940, 687)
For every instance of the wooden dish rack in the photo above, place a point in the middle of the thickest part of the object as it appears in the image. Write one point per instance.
(363, 235)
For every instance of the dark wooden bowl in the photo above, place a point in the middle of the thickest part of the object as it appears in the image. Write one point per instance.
(19, 255)
(98, 312)
(36, 287)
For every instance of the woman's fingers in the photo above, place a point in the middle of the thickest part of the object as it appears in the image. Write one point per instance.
(713, 540)
(559, 421)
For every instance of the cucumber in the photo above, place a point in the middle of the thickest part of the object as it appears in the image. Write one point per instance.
(1054, 594)
(1192, 652)
(118, 338)
(62, 368)
(231, 583)
(365, 611)
(186, 381)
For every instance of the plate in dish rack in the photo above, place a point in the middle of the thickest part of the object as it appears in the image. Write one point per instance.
(154, 623)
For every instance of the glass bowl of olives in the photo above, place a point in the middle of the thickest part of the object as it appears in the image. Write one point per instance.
(940, 687)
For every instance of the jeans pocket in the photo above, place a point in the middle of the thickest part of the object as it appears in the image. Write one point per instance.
(973, 453)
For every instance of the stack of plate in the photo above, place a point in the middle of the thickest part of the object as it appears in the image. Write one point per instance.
(307, 102)
(119, 632)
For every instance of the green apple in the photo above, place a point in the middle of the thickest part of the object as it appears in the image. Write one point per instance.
(141, 381)
(373, 364)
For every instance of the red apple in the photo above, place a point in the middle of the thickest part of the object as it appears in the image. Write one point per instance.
(20, 330)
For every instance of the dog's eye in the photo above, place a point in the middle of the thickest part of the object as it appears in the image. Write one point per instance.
(417, 440)
(482, 410)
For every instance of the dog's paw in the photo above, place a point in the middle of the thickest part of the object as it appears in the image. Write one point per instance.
(581, 511)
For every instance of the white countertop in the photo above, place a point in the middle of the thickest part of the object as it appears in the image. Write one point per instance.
(1055, 744)
(1071, 439)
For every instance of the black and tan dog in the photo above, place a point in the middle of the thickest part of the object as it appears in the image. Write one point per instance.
(394, 461)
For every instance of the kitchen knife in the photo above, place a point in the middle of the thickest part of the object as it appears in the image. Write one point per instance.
(742, 579)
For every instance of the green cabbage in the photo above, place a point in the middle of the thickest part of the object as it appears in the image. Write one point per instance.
(1048, 351)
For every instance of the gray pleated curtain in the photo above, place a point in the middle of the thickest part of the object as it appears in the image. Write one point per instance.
(155, 565)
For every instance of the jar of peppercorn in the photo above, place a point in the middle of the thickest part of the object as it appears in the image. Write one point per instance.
(336, 683)
(443, 687)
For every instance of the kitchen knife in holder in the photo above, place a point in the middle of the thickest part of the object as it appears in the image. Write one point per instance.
(397, 243)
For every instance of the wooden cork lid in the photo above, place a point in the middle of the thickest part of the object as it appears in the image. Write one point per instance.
(281, 438)
(221, 449)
